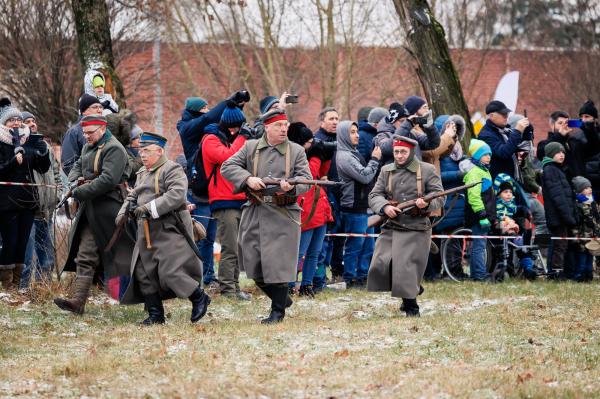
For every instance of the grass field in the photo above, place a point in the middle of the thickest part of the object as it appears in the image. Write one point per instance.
(516, 339)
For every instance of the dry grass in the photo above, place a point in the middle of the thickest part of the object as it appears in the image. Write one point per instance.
(517, 339)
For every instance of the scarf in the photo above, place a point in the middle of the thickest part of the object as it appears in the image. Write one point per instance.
(457, 152)
(8, 136)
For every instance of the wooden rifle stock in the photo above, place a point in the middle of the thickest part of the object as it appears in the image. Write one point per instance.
(377, 220)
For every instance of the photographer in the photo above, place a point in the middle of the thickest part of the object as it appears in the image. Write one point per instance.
(588, 114)
(386, 128)
(225, 205)
(270, 103)
(20, 155)
(419, 125)
(503, 140)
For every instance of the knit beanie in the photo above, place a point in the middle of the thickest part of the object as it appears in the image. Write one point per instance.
(86, 101)
(580, 183)
(98, 81)
(363, 113)
(589, 108)
(7, 111)
(479, 148)
(395, 112)
(195, 104)
(553, 148)
(267, 103)
(413, 104)
(377, 114)
(504, 186)
(232, 116)
(299, 133)
(136, 132)
(26, 115)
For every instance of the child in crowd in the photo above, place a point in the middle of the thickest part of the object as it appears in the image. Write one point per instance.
(480, 210)
(559, 203)
(588, 223)
(506, 209)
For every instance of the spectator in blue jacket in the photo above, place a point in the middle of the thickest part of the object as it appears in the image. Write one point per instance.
(503, 140)
(367, 130)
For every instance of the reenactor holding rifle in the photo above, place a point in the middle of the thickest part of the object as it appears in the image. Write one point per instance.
(165, 262)
(269, 233)
(98, 185)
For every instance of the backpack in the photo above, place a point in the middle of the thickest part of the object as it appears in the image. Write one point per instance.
(198, 181)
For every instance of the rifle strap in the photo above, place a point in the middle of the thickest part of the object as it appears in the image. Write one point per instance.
(97, 160)
(257, 157)
(446, 212)
(419, 182)
(156, 185)
(313, 207)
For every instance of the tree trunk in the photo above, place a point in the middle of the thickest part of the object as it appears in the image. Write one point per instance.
(94, 43)
(428, 46)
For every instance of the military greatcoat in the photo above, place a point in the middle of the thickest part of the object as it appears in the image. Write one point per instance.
(402, 249)
(171, 264)
(104, 167)
(269, 235)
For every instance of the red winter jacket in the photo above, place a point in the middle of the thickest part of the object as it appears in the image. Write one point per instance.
(322, 212)
(214, 152)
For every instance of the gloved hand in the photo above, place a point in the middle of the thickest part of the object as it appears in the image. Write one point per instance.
(141, 212)
(41, 147)
(485, 223)
(247, 131)
(240, 96)
(429, 116)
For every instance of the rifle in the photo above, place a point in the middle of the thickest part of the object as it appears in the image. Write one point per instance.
(120, 227)
(80, 181)
(269, 181)
(377, 220)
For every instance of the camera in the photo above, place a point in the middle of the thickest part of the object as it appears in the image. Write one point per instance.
(291, 99)
(419, 120)
(326, 145)
(324, 150)
(249, 132)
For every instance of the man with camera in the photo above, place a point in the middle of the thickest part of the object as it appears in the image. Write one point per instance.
(191, 127)
(226, 206)
(419, 125)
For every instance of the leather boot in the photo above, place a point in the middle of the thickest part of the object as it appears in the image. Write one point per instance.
(17, 273)
(156, 312)
(279, 301)
(267, 289)
(200, 301)
(6, 278)
(77, 303)
(410, 306)
(307, 291)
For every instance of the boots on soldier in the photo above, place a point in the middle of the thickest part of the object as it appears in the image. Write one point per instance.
(77, 303)
(156, 311)
(279, 300)
(410, 307)
(17, 273)
(200, 301)
(6, 278)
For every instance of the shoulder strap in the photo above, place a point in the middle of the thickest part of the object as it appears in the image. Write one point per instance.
(287, 161)
(389, 184)
(97, 159)
(419, 182)
(255, 160)
(156, 175)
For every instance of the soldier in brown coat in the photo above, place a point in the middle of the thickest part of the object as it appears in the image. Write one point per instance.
(402, 249)
(269, 234)
(165, 263)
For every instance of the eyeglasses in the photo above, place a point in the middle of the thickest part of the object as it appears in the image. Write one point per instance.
(14, 119)
(92, 132)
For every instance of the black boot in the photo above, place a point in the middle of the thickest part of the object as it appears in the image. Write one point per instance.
(200, 302)
(410, 307)
(279, 300)
(307, 291)
(267, 289)
(156, 312)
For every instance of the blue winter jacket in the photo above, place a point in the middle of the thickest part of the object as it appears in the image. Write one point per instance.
(72, 144)
(191, 127)
(451, 177)
(503, 151)
(366, 134)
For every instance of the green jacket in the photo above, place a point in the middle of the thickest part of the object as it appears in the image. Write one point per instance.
(481, 200)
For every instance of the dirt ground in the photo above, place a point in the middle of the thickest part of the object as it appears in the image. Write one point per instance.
(516, 339)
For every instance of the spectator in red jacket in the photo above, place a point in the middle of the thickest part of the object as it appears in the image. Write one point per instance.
(316, 211)
(218, 145)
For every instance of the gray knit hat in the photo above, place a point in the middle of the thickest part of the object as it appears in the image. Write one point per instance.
(377, 114)
(7, 111)
(26, 115)
(580, 183)
(553, 148)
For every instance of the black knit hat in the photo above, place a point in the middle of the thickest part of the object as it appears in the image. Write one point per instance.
(505, 185)
(299, 133)
(87, 101)
(589, 108)
(266, 103)
(232, 116)
(396, 111)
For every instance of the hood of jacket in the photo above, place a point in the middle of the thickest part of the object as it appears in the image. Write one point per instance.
(367, 127)
(385, 127)
(466, 165)
(343, 137)
(460, 123)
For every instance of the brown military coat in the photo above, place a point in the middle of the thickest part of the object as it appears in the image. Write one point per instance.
(402, 249)
(269, 236)
(171, 262)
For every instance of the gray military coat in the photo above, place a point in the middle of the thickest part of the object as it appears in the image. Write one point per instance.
(269, 236)
(171, 263)
(99, 203)
(402, 249)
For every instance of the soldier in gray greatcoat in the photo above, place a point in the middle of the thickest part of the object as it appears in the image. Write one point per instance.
(165, 261)
(402, 249)
(269, 234)
(103, 169)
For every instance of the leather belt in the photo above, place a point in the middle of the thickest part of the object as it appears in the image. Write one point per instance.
(277, 199)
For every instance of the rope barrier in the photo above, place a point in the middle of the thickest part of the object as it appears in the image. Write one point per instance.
(10, 183)
(469, 236)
